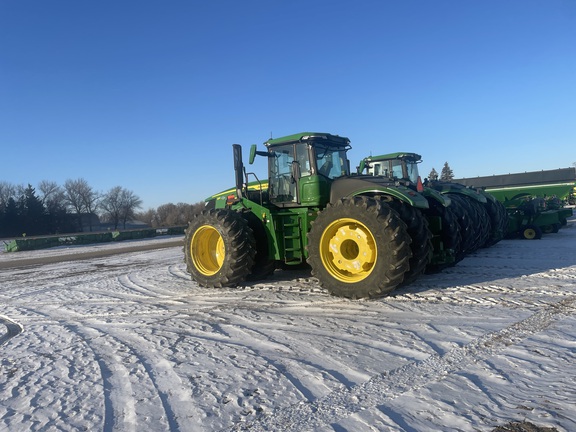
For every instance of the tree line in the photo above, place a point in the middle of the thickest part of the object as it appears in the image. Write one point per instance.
(76, 206)
(445, 175)
(53, 209)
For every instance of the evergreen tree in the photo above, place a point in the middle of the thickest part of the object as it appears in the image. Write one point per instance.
(10, 219)
(433, 176)
(32, 213)
(446, 174)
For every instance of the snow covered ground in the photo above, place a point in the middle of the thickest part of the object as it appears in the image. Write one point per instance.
(129, 343)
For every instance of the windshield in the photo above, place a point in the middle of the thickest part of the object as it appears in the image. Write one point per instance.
(404, 169)
(282, 184)
(397, 171)
(331, 161)
(412, 168)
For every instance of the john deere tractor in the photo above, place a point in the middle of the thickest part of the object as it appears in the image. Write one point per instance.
(402, 168)
(361, 235)
(462, 219)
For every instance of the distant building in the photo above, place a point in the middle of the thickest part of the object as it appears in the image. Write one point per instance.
(560, 183)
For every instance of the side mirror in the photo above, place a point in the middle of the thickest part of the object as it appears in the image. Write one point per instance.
(252, 154)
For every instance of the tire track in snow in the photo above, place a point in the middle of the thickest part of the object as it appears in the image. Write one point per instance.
(119, 412)
(122, 388)
(390, 385)
(112, 350)
(13, 329)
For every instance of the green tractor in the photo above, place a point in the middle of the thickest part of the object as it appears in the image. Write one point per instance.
(462, 219)
(361, 235)
(402, 169)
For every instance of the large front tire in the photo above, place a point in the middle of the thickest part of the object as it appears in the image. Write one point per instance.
(219, 248)
(359, 248)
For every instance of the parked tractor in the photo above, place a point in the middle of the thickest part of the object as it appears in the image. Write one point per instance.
(362, 235)
(462, 219)
(402, 169)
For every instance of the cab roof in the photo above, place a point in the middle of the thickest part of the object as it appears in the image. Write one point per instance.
(329, 139)
(399, 155)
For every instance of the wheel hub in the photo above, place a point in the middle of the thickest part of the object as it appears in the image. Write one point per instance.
(348, 250)
(207, 250)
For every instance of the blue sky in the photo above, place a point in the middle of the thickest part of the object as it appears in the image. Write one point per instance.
(150, 95)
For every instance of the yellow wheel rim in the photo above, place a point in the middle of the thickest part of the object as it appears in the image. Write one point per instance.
(348, 250)
(529, 233)
(207, 250)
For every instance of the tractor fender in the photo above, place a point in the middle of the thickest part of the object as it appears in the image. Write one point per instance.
(472, 193)
(437, 196)
(372, 186)
(457, 188)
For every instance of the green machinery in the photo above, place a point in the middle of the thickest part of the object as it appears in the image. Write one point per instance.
(480, 219)
(532, 216)
(535, 201)
(362, 235)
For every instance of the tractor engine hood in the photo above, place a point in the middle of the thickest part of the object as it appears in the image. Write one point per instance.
(371, 185)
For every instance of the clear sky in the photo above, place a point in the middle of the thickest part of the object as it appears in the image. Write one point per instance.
(150, 95)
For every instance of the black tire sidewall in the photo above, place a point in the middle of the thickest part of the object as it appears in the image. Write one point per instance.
(392, 241)
(239, 244)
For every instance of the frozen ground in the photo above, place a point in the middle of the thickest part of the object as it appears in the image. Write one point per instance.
(129, 343)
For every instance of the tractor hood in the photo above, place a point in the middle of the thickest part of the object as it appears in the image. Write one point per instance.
(370, 185)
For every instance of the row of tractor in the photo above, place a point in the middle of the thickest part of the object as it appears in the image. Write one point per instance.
(362, 233)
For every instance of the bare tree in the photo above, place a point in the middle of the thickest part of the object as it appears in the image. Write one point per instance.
(111, 205)
(52, 196)
(175, 214)
(166, 215)
(120, 205)
(129, 203)
(7, 191)
(80, 196)
(149, 217)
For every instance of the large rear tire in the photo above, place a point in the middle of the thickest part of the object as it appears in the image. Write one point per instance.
(466, 220)
(449, 236)
(498, 220)
(359, 248)
(421, 246)
(219, 248)
(263, 266)
(482, 225)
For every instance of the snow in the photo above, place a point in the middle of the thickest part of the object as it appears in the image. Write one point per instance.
(128, 342)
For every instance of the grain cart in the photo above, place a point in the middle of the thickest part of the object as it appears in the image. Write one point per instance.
(309, 209)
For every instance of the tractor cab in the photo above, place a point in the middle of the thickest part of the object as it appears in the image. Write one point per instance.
(396, 166)
(301, 167)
